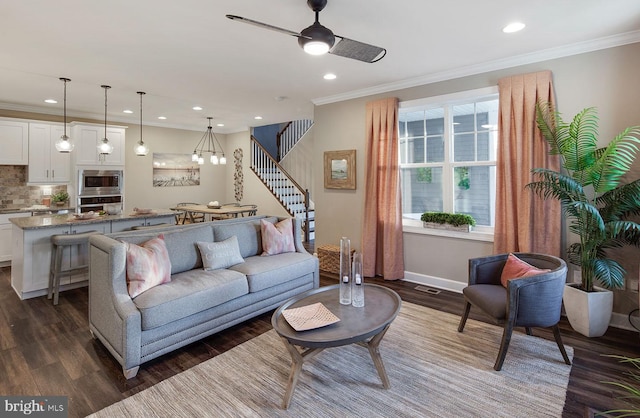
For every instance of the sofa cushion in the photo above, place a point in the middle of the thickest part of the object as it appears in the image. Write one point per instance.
(188, 293)
(248, 233)
(265, 272)
(180, 242)
(277, 238)
(220, 255)
(148, 265)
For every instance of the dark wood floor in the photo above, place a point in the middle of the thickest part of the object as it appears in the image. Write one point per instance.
(47, 350)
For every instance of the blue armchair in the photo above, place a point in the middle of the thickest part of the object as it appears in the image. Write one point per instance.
(534, 301)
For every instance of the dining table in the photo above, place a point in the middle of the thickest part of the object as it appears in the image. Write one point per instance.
(219, 212)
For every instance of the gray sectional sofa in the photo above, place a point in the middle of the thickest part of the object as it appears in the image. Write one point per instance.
(196, 303)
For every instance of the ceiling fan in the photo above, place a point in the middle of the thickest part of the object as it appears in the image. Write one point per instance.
(317, 39)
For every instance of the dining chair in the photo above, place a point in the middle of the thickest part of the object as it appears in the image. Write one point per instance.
(530, 301)
(252, 212)
(193, 218)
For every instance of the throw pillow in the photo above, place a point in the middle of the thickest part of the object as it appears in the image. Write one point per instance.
(148, 265)
(515, 268)
(220, 255)
(278, 238)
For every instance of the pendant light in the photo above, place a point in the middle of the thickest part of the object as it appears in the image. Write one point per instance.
(141, 149)
(64, 144)
(209, 140)
(105, 148)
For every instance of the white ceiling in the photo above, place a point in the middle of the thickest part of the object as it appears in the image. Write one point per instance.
(186, 53)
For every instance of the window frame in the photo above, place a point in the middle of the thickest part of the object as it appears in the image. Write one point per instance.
(447, 102)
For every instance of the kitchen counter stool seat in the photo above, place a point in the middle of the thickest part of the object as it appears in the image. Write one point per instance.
(59, 243)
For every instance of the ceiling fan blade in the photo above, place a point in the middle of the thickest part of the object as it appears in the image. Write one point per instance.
(264, 25)
(360, 51)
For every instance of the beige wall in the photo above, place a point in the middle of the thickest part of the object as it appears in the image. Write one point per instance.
(606, 79)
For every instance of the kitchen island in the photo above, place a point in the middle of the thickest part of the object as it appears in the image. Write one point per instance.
(31, 244)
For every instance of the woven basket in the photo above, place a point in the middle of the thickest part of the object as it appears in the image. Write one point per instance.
(329, 258)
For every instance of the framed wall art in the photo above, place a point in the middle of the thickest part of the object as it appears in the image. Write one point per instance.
(340, 169)
(175, 170)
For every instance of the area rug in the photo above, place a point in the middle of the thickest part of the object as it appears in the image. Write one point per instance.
(434, 371)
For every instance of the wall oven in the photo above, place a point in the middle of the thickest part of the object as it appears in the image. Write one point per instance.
(100, 190)
(100, 182)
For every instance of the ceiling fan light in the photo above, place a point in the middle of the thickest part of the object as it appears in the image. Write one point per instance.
(316, 48)
(316, 39)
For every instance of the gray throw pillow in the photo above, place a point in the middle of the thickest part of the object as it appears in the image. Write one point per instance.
(220, 255)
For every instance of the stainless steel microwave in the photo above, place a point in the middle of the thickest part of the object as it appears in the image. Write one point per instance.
(100, 182)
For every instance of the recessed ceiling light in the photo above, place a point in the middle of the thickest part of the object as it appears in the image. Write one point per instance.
(162, 117)
(258, 118)
(513, 27)
(127, 111)
(220, 124)
(196, 108)
(329, 76)
(51, 101)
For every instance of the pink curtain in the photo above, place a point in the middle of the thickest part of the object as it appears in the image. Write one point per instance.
(524, 222)
(382, 250)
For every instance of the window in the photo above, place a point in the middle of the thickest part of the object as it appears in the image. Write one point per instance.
(447, 155)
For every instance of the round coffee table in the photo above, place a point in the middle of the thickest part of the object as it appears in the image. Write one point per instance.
(364, 326)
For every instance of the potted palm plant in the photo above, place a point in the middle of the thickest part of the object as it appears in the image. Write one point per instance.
(597, 205)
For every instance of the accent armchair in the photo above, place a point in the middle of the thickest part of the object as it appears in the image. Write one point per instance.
(534, 301)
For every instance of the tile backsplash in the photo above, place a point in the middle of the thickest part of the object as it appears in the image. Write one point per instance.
(14, 191)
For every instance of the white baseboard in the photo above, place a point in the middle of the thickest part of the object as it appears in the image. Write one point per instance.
(618, 320)
(432, 281)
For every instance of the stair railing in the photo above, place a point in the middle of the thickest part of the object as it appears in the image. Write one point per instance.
(262, 160)
(290, 134)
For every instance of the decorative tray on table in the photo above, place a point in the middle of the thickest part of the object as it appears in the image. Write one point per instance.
(309, 317)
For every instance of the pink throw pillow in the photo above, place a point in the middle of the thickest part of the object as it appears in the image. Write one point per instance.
(515, 268)
(148, 265)
(278, 238)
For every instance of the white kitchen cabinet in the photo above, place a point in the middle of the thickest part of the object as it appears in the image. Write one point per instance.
(87, 137)
(6, 247)
(14, 137)
(46, 164)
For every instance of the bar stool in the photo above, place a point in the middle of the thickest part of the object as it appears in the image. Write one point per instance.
(59, 243)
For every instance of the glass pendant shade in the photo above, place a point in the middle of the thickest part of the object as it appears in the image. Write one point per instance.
(208, 144)
(140, 148)
(105, 147)
(64, 144)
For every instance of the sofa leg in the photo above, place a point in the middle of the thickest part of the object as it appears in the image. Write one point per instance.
(130, 373)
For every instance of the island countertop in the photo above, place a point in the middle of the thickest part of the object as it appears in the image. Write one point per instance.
(49, 221)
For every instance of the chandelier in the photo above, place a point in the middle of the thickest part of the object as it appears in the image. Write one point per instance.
(208, 140)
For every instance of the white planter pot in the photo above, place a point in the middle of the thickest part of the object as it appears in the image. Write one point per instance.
(588, 313)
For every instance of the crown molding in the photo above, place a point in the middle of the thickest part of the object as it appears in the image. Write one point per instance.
(515, 61)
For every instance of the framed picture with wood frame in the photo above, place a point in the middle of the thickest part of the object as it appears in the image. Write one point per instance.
(340, 169)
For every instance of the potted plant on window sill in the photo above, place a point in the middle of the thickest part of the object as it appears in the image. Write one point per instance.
(448, 221)
(597, 206)
(60, 198)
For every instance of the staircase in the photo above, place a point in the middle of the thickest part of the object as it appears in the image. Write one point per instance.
(292, 196)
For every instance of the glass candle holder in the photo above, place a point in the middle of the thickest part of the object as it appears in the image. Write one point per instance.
(357, 289)
(345, 271)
